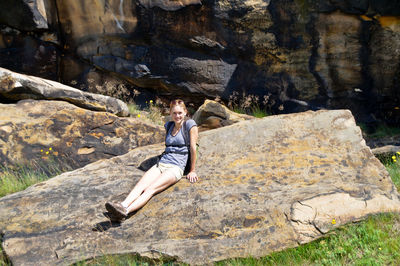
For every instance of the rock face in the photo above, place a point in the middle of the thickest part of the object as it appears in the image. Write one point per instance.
(25, 15)
(306, 54)
(75, 136)
(14, 86)
(265, 185)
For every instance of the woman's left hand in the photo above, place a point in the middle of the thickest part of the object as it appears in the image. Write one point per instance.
(192, 176)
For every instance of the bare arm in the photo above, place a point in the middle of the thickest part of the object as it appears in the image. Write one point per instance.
(194, 135)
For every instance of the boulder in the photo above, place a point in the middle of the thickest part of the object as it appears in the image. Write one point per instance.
(15, 86)
(387, 150)
(265, 185)
(214, 115)
(39, 131)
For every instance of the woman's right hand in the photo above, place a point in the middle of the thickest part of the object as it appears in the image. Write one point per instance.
(192, 176)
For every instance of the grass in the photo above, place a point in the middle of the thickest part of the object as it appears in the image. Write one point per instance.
(259, 112)
(394, 172)
(255, 111)
(122, 260)
(19, 177)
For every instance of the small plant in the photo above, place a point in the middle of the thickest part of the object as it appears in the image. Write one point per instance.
(258, 112)
(155, 111)
(134, 109)
(155, 114)
(251, 104)
(393, 167)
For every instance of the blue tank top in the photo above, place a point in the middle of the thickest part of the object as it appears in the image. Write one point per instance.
(171, 157)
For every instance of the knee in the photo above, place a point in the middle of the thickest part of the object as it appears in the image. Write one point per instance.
(149, 191)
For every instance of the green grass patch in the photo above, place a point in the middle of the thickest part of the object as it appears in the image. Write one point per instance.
(122, 260)
(255, 111)
(259, 112)
(19, 177)
(239, 110)
(394, 172)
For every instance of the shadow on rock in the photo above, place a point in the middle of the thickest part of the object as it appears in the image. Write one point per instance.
(105, 225)
(110, 223)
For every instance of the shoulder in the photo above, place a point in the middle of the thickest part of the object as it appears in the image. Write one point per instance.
(168, 124)
(190, 123)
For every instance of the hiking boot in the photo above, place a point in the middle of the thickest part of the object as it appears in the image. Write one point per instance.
(117, 210)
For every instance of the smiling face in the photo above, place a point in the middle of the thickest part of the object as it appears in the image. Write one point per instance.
(178, 114)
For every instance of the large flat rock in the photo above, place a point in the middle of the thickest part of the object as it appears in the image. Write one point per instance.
(265, 185)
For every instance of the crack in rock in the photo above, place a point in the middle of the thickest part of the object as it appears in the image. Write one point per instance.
(312, 218)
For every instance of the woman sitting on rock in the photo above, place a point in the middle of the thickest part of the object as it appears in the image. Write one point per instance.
(170, 168)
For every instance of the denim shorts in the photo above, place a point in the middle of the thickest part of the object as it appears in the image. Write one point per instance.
(176, 170)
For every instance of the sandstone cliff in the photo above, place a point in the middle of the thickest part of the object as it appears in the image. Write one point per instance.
(307, 54)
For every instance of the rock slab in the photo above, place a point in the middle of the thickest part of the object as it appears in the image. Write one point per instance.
(15, 86)
(41, 131)
(265, 185)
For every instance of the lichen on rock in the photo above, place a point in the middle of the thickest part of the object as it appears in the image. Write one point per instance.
(265, 185)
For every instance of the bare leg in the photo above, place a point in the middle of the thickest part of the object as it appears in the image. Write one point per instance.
(147, 179)
(164, 181)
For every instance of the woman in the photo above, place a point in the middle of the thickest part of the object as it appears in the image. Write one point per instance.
(170, 168)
